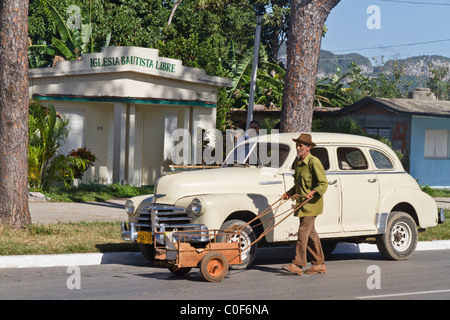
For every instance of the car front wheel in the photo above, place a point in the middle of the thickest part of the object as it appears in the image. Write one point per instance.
(247, 236)
(400, 239)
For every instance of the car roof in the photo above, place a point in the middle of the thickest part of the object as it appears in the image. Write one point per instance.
(322, 138)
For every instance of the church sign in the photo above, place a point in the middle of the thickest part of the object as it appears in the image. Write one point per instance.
(133, 60)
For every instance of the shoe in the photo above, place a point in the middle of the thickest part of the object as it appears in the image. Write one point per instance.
(315, 269)
(292, 268)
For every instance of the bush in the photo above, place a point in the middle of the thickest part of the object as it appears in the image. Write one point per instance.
(95, 192)
(88, 158)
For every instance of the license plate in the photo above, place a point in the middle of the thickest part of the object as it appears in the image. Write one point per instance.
(145, 237)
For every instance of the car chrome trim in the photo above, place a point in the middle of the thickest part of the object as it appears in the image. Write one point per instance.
(382, 222)
(441, 217)
(269, 182)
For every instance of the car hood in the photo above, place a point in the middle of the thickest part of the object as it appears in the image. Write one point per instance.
(211, 181)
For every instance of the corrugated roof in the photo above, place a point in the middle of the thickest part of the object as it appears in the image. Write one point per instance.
(433, 108)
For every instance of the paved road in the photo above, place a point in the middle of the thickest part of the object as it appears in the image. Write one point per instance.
(426, 275)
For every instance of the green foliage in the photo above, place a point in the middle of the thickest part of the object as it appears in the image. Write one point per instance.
(197, 35)
(63, 238)
(88, 159)
(388, 83)
(344, 125)
(437, 84)
(47, 131)
(269, 81)
(440, 232)
(94, 192)
(72, 42)
(435, 192)
(330, 92)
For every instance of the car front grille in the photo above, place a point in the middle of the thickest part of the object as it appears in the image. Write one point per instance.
(163, 218)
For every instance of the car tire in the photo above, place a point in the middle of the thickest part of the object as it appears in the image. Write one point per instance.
(148, 251)
(328, 246)
(247, 237)
(400, 239)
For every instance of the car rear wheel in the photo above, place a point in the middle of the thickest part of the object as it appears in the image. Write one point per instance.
(400, 239)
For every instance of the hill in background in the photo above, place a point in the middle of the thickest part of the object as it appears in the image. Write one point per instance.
(416, 68)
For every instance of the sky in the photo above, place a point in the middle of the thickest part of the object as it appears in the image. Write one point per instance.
(392, 29)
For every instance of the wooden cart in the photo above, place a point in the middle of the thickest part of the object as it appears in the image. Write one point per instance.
(212, 257)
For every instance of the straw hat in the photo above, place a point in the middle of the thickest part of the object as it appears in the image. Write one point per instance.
(306, 139)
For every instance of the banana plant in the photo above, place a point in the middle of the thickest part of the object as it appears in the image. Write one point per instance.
(330, 91)
(73, 42)
(269, 81)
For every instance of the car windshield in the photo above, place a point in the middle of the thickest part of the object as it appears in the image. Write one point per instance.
(257, 154)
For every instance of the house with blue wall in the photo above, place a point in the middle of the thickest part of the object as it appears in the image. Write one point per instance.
(419, 127)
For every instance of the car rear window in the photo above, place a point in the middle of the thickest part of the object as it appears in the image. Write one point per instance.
(380, 160)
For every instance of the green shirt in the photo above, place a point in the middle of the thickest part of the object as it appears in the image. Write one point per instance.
(309, 175)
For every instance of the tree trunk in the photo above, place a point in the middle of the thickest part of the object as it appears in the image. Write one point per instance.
(306, 23)
(14, 113)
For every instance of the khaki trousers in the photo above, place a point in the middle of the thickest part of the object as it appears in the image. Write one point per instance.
(308, 244)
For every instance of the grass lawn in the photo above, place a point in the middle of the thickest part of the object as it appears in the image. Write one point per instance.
(440, 232)
(58, 238)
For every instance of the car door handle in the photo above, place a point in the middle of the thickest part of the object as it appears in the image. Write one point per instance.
(372, 180)
(330, 183)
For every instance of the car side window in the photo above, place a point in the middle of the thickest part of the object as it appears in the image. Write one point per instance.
(272, 155)
(351, 159)
(380, 160)
(322, 154)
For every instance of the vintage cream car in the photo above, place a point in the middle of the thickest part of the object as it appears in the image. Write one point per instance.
(370, 197)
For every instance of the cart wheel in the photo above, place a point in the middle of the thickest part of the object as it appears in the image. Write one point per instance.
(214, 266)
(179, 271)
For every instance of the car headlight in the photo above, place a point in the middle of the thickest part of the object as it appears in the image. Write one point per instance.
(130, 207)
(197, 207)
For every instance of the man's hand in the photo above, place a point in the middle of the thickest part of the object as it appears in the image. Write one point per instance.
(310, 194)
(285, 196)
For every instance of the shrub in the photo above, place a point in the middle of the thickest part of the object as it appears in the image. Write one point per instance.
(88, 158)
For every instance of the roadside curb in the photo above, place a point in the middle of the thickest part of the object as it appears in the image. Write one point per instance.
(136, 258)
(67, 260)
(343, 248)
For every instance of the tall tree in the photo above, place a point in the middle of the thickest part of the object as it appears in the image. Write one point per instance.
(14, 113)
(306, 23)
